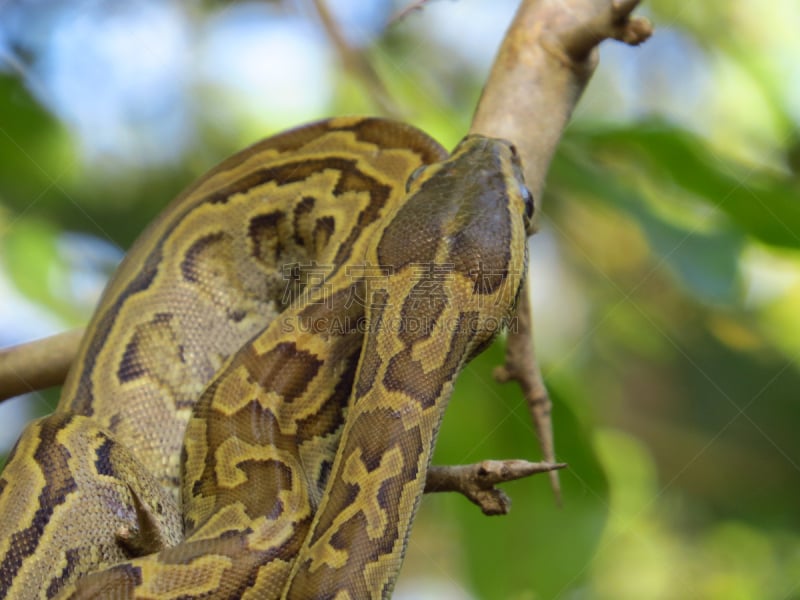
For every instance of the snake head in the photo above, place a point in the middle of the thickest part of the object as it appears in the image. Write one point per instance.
(498, 210)
(471, 213)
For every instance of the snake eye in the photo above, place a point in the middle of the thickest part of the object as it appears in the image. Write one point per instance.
(524, 192)
(527, 198)
(414, 176)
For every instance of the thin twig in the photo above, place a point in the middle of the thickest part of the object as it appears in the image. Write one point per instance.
(404, 12)
(356, 63)
(521, 366)
(477, 481)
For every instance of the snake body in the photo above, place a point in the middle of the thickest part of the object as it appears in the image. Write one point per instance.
(254, 406)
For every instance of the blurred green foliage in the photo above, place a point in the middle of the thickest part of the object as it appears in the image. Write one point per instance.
(666, 289)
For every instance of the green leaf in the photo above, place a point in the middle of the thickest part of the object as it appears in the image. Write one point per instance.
(765, 205)
(34, 148)
(706, 261)
(31, 259)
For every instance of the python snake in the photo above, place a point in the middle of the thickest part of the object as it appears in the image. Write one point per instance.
(255, 403)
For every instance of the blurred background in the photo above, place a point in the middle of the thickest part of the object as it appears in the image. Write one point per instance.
(665, 277)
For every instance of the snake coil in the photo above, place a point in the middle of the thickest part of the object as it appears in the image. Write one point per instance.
(255, 403)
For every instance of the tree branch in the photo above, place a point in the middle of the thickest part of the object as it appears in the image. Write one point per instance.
(544, 63)
(38, 364)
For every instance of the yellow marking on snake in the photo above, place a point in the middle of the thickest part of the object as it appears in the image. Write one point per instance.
(256, 401)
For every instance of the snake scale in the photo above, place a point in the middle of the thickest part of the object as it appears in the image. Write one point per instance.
(255, 403)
